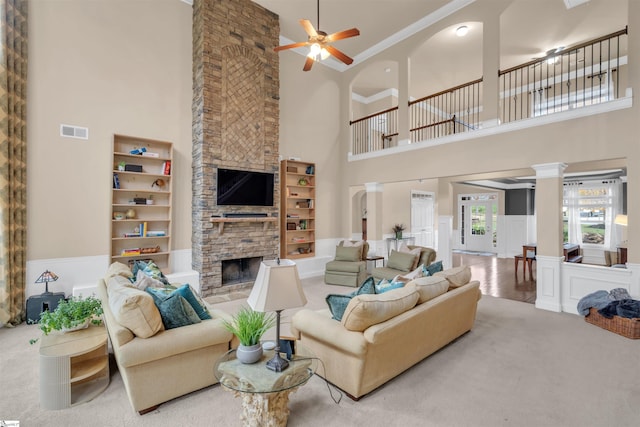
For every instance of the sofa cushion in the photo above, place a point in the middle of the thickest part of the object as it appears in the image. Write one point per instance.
(174, 309)
(385, 285)
(401, 261)
(118, 269)
(346, 253)
(415, 251)
(418, 272)
(150, 269)
(143, 281)
(430, 287)
(358, 244)
(134, 309)
(338, 303)
(366, 310)
(457, 276)
(433, 268)
(345, 266)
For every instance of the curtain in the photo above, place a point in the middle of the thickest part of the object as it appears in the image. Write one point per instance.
(612, 237)
(572, 196)
(13, 156)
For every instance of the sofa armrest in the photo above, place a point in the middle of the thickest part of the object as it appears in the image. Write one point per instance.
(172, 342)
(324, 329)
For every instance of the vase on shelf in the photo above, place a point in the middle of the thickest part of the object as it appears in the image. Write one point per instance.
(398, 235)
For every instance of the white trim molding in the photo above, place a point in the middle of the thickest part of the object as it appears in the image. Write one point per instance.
(549, 170)
(373, 187)
(548, 288)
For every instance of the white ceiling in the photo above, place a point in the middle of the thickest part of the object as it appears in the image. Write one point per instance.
(528, 29)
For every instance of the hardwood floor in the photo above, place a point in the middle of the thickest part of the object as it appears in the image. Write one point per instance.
(498, 277)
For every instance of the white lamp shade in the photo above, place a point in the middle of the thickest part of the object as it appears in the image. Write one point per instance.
(620, 219)
(277, 287)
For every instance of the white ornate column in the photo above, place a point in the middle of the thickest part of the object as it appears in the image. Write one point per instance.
(549, 255)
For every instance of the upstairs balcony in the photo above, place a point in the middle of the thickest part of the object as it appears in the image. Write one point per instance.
(580, 76)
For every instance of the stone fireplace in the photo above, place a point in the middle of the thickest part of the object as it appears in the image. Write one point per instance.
(235, 126)
(240, 270)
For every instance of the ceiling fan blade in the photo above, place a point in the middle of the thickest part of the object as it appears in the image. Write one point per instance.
(290, 46)
(343, 35)
(341, 56)
(308, 27)
(307, 64)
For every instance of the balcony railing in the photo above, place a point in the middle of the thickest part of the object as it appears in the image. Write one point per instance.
(583, 75)
(451, 111)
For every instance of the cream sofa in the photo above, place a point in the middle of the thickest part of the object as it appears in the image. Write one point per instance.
(382, 335)
(167, 364)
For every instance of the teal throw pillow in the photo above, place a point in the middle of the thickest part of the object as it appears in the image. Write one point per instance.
(338, 303)
(185, 292)
(385, 285)
(174, 309)
(432, 268)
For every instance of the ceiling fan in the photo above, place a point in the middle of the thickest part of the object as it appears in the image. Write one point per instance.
(320, 43)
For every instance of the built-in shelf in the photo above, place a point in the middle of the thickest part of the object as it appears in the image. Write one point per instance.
(222, 221)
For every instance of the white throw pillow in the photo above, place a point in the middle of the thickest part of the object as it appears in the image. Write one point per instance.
(414, 274)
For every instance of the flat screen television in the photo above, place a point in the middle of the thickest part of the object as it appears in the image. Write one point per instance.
(244, 188)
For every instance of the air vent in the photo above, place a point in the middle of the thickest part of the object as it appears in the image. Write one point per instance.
(74, 131)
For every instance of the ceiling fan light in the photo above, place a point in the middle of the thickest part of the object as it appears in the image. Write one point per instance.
(314, 50)
(324, 54)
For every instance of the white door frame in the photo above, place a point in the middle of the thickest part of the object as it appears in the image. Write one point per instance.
(422, 217)
(469, 241)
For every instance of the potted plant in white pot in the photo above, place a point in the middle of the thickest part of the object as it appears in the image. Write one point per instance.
(249, 326)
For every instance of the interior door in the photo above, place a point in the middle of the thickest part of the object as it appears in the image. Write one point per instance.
(422, 214)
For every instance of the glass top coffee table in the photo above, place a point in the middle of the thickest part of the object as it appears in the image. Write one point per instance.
(265, 393)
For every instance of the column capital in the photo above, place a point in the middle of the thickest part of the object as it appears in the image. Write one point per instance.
(549, 170)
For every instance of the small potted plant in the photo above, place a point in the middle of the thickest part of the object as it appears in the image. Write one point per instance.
(121, 166)
(249, 326)
(398, 229)
(70, 315)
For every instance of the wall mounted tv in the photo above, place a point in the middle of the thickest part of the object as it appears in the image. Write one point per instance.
(244, 188)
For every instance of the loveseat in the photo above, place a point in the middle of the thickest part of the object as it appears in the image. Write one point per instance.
(400, 263)
(382, 335)
(158, 364)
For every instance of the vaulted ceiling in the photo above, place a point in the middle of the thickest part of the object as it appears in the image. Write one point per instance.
(528, 29)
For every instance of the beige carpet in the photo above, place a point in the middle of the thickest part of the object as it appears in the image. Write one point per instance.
(518, 367)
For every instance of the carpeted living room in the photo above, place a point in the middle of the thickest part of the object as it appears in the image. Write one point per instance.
(203, 77)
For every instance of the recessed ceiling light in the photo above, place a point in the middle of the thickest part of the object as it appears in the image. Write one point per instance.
(462, 31)
(387, 70)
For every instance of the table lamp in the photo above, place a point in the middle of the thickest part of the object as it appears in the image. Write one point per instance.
(46, 277)
(277, 287)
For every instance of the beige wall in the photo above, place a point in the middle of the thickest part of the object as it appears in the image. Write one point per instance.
(114, 67)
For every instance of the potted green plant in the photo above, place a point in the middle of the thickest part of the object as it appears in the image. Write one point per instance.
(70, 315)
(249, 326)
(398, 229)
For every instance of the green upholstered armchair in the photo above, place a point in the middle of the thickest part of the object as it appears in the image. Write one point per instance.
(349, 268)
(427, 256)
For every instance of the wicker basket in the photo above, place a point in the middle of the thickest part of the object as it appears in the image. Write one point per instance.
(626, 327)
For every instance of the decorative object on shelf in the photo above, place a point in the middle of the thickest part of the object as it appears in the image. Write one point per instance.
(249, 326)
(277, 288)
(150, 250)
(121, 166)
(158, 183)
(70, 315)
(310, 170)
(303, 181)
(46, 277)
(138, 151)
(291, 226)
(118, 215)
(130, 214)
(398, 229)
(150, 199)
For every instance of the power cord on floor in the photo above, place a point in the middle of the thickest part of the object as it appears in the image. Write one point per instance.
(335, 399)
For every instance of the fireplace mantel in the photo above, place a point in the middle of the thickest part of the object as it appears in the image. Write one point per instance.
(222, 221)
